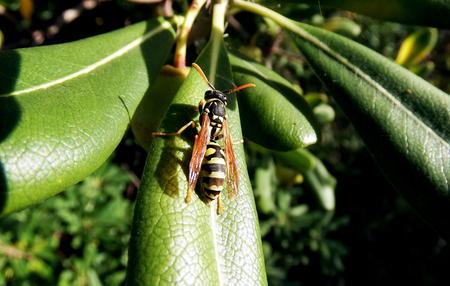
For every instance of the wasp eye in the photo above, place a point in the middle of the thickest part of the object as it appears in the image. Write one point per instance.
(209, 94)
(223, 98)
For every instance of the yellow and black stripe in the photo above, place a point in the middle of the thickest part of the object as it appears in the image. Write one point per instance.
(213, 171)
(216, 109)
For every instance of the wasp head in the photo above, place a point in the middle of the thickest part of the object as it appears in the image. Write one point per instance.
(215, 94)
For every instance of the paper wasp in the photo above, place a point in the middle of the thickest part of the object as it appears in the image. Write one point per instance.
(208, 159)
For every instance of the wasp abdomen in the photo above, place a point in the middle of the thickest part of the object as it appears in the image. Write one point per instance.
(213, 171)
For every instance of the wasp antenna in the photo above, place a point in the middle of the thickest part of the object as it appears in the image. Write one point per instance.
(239, 88)
(203, 75)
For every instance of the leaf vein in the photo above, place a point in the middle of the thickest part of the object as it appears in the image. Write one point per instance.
(94, 66)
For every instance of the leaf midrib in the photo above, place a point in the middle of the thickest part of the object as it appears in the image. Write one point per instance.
(135, 43)
(216, 38)
(365, 77)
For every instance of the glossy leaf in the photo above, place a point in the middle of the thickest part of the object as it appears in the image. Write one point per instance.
(154, 105)
(402, 119)
(274, 114)
(64, 108)
(174, 243)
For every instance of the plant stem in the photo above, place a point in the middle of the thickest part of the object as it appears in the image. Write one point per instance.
(289, 25)
(265, 12)
(191, 15)
(218, 20)
(218, 28)
(292, 26)
(299, 31)
(283, 22)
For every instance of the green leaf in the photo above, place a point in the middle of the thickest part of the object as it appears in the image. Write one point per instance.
(93, 278)
(322, 183)
(174, 243)
(417, 46)
(342, 25)
(300, 159)
(314, 99)
(315, 174)
(64, 108)
(265, 187)
(324, 113)
(402, 119)
(274, 114)
(154, 105)
(418, 12)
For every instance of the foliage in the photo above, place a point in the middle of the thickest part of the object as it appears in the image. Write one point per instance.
(64, 109)
(77, 238)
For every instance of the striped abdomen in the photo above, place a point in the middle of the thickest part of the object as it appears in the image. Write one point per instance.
(213, 171)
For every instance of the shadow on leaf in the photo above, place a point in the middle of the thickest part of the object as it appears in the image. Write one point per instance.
(173, 157)
(10, 112)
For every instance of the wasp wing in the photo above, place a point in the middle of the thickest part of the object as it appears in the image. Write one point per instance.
(198, 152)
(232, 170)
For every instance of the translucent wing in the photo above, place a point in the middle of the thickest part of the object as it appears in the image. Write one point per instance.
(232, 170)
(198, 152)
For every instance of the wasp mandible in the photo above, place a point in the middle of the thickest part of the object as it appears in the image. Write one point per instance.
(208, 159)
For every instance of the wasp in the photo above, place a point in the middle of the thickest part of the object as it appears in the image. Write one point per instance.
(209, 161)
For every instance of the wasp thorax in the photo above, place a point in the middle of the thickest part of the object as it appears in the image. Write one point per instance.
(215, 94)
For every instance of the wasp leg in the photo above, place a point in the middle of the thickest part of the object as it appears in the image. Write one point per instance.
(219, 206)
(188, 196)
(200, 105)
(190, 123)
